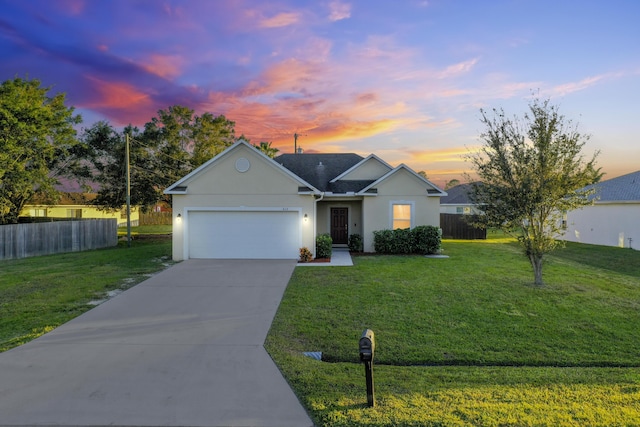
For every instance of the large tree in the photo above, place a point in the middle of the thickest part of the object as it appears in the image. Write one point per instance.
(531, 172)
(181, 141)
(170, 146)
(36, 135)
(105, 153)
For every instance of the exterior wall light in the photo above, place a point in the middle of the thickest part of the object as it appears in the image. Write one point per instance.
(306, 217)
(179, 218)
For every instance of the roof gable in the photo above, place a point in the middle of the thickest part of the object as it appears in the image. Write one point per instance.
(430, 190)
(181, 186)
(318, 169)
(370, 168)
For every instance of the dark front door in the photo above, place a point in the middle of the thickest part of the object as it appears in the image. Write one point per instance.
(340, 225)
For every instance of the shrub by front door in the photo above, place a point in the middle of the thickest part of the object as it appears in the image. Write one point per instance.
(340, 225)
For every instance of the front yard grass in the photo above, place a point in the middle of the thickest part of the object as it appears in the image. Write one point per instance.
(468, 340)
(40, 293)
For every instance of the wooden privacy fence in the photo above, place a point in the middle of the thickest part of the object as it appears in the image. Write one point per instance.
(454, 226)
(27, 240)
(156, 218)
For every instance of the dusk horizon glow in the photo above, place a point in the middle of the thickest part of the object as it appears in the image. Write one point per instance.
(402, 80)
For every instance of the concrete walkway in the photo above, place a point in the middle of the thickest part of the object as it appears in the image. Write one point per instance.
(340, 257)
(184, 348)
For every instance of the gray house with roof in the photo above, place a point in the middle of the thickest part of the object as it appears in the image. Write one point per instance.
(243, 204)
(457, 201)
(613, 219)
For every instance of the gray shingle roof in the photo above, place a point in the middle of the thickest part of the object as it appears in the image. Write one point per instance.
(319, 169)
(458, 195)
(625, 188)
(346, 186)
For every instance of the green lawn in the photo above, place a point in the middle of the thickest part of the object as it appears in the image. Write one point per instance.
(40, 293)
(468, 340)
(463, 341)
(146, 230)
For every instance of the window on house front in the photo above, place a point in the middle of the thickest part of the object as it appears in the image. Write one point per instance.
(401, 215)
(459, 210)
(38, 212)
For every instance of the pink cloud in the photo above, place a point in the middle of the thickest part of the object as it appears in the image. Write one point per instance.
(457, 69)
(166, 66)
(119, 101)
(73, 7)
(339, 11)
(280, 20)
(566, 88)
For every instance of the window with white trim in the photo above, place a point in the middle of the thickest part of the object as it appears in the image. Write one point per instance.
(401, 215)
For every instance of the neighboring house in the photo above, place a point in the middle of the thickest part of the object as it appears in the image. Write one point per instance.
(614, 219)
(243, 204)
(457, 201)
(76, 204)
(453, 208)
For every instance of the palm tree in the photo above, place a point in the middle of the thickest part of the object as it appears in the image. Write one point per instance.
(267, 149)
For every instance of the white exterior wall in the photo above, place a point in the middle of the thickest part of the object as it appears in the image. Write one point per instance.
(453, 209)
(402, 187)
(261, 188)
(608, 224)
(371, 169)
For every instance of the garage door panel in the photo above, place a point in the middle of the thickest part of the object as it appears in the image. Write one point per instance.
(244, 234)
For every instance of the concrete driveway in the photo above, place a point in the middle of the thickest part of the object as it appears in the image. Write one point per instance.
(184, 348)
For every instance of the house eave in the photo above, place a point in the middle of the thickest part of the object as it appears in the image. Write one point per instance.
(617, 202)
(342, 195)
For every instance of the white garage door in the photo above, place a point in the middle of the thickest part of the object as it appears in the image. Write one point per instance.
(246, 234)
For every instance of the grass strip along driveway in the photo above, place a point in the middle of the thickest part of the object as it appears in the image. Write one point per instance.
(468, 340)
(40, 293)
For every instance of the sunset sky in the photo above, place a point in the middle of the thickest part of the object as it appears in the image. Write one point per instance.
(403, 79)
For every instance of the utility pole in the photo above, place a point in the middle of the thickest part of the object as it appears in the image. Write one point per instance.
(126, 154)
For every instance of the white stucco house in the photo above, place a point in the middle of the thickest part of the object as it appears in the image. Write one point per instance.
(614, 218)
(243, 204)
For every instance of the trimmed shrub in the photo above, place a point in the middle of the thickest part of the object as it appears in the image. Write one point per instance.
(424, 240)
(355, 243)
(323, 245)
(402, 241)
(383, 241)
(305, 255)
(427, 239)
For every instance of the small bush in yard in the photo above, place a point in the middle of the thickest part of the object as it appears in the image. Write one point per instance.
(402, 241)
(355, 243)
(383, 241)
(427, 239)
(323, 246)
(424, 240)
(305, 255)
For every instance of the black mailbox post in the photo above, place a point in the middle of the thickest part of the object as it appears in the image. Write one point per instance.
(367, 347)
